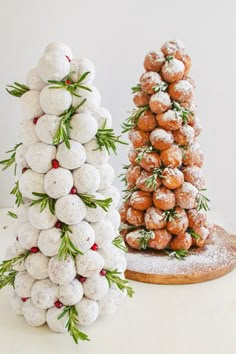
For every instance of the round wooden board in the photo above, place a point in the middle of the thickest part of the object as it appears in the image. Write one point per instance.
(215, 259)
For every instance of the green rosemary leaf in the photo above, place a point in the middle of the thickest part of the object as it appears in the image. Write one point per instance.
(181, 111)
(143, 150)
(67, 248)
(151, 181)
(144, 238)
(132, 120)
(69, 85)
(202, 201)
(136, 88)
(11, 160)
(161, 87)
(17, 89)
(128, 193)
(179, 254)
(17, 193)
(169, 58)
(113, 276)
(119, 243)
(107, 139)
(170, 215)
(72, 324)
(92, 202)
(194, 234)
(7, 274)
(45, 201)
(12, 215)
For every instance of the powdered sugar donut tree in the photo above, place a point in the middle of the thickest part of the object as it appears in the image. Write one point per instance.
(165, 204)
(68, 260)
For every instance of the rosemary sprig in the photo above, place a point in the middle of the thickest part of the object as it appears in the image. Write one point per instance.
(183, 150)
(72, 323)
(161, 87)
(132, 120)
(7, 274)
(151, 181)
(181, 111)
(12, 215)
(143, 150)
(179, 254)
(136, 88)
(17, 89)
(69, 85)
(44, 201)
(127, 227)
(63, 131)
(128, 193)
(92, 202)
(170, 215)
(194, 234)
(113, 277)
(8, 162)
(67, 248)
(169, 58)
(107, 139)
(17, 193)
(145, 237)
(202, 201)
(123, 175)
(119, 243)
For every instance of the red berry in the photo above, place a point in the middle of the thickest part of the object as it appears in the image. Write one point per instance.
(73, 190)
(24, 299)
(94, 247)
(55, 163)
(17, 238)
(35, 120)
(58, 225)
(58, 304)
(103, 272)
(68, 82)
(82, 279)
(68, 58)
(34, 250)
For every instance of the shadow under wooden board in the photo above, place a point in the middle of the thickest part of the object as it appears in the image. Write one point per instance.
(215, 259)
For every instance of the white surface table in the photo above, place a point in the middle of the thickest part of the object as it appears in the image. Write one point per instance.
(188, 319)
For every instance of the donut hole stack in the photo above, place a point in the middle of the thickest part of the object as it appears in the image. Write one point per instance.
(53, 285)
(164, 206)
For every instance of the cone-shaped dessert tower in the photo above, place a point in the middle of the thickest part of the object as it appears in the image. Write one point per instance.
(67, 263)
(164, 204)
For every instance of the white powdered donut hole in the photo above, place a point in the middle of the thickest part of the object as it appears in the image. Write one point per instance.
(36, 265)
(54, 324)
(102, 116)
(83, 127)
(113, 257)
(88, 311)
(95, 288)
(44, 293)
(104, 232)
(53, 66)
(31, 181)
(49, 241)
(95, 214)
(41, 220)
(86, 179)
(79, 66)
(58, 47)
(20, 156)
(14, 250)
(58, 182)
(33, 315)
(95, 156)
(93, 99)
(55, 101)
(28, 236)
(82, 236)
(16, 303)
(23, 284)
(39, 157)
(109, 303)
(111, 192)
(70, 209)
(70, 294)
(46, 128)
(71, 158)
(107, 175)
(33, 81)
(28, 135)
(22, 210)
(89, 264)
(30, 104)
(61, 271)
(114, 217)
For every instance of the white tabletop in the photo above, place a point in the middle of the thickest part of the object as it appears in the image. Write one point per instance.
(188, 319)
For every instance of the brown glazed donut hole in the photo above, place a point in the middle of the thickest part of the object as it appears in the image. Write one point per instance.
(141, 99)
(150, 160)
(172, 157)
(180, 91)
(141, 200)
(154, 219)
(179, 224)
(169, 120)
(132, 175)
(161, 139)
(172, 178)
(153, 61)
(163, 199)
(181, 241)
(135, 217)
(147, 121)
(141, 182)
(161, 240)
(148, 81)
(139, 138)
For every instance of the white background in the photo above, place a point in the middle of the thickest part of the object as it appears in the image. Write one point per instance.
(116, 35)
